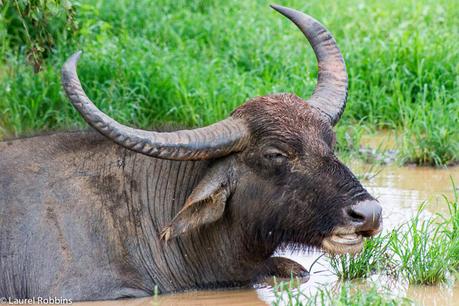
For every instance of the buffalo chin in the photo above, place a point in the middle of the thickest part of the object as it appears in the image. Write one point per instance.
(343, 243)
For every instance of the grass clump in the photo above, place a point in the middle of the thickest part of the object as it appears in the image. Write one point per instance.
(373, 259)
(451, 226)
(350, 295)
(289, 293)
(424, 251)
(425, 141)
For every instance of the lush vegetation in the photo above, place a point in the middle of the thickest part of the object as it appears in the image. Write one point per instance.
(194, 61)
(423, 251)
(289, 293)
(34, 27)
(372, 259)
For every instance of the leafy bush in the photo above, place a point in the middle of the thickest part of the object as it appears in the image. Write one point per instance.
(34, 26)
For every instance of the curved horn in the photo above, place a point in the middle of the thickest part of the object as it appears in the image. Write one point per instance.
(216, 140)
(330, 93)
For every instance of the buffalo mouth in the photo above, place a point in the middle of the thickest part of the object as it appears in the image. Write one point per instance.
(345, 241)
(364, 219)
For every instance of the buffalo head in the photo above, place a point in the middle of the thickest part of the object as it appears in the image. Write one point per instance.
(274, 170)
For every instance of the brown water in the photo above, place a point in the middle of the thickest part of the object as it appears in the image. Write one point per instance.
(401, 190)
(196, 298)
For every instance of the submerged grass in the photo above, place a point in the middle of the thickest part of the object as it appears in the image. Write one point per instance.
(452, 226)
(195, 61)
(287, 293)
(348, 294)
(424, 251)
(373, 259)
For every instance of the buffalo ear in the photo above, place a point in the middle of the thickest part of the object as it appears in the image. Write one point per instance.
(206, 203)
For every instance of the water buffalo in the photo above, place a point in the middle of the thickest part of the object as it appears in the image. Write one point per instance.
(121, 211)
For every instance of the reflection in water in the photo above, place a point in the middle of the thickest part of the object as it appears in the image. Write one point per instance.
(400, 192)
(246, 297)
(433, 295)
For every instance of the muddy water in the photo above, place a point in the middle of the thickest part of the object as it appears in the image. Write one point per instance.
(400, 191)
(197, 298)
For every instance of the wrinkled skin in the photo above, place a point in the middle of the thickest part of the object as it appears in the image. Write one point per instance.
(302, 182)
(97, 221)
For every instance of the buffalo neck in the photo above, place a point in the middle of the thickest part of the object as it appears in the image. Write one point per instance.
(139, 196)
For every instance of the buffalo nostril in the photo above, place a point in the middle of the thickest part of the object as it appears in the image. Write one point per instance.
(366, 215)
(355, 216)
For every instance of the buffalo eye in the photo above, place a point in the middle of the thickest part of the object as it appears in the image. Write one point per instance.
(275, 156)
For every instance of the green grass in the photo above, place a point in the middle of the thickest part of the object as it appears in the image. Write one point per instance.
(373, 259)
(424, 251)
(287, 293)
(451, 226)
(348, 294)
(195, 61)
